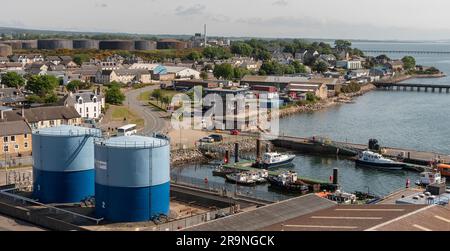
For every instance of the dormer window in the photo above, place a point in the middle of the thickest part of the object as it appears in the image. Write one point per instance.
(94, 100)
(80, 101)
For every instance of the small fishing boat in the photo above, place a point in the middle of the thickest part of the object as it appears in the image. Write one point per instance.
(342, 197)
(427, 178)
(376, 160)
(259, 176)
(241, 178)
(274, 159)
(287, 181)
(222, 171)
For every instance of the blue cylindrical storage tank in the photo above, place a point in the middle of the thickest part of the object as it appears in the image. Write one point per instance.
(63, 169)
(132, 178)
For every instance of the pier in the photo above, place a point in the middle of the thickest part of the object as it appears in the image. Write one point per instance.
(413, 87)
(416, 160)
(406, 52)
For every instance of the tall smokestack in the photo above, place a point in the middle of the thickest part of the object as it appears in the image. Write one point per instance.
(205, 37)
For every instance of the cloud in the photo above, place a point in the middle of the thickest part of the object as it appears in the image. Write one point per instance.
(190, 11)
(280, 3)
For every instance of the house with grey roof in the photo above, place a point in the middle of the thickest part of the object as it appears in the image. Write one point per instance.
(87, 103)
(44, 116)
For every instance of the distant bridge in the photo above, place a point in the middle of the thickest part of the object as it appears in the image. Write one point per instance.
(412, 87)
(406, 52)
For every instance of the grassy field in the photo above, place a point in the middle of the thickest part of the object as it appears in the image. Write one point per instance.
(121, 112)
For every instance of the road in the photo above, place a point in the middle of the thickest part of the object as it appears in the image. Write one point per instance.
(153, 119)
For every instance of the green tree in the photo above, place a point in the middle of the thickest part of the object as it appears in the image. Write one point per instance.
(114, 95)
(298, 67)
(409, 62)
(73, 86)
(224, 71)
(51, 98)
(216, 53)
(12, 79)
(271, 68)
(310, 97)
(165, 100)
(42, 85)
(79, 59)
(342, 45)
(203, 75)
(239, 72)
(194, 56)
(320, 66)
(157, 94)
(241, 48)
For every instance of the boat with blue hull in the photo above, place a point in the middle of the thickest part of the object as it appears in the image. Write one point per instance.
(376, 160)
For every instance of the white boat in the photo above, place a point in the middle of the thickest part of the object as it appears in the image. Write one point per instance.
(274, 159)
(243, 178)
(376, 160)
(342, 197)
(259, 176)
(427, 178)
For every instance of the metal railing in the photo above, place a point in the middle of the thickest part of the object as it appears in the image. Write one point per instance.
(7, 194)
(229, 189)
(132, 144)
(73, 133)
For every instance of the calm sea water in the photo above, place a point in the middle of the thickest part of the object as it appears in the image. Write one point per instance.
(415, 120)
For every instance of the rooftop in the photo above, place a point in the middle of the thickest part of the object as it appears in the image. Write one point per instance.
(266, 216)
(134, 141)
(68, 130)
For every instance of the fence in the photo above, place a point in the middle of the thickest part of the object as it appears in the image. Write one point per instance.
(15, 162)
(230, 189)
(192, 220)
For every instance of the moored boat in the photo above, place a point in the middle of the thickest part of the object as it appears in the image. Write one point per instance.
(427, 178)
(444, 169)
(274, 159)
(376, 160)
(342, 197)
(287, 181)
(241, 179)
(222, 171)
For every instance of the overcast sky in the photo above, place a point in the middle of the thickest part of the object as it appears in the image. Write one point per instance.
(357, 19)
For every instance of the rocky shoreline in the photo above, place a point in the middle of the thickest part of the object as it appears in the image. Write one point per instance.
(341, 99)
(194, 155)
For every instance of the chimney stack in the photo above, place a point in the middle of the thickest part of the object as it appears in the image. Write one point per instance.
(205, 38)
(23, 112)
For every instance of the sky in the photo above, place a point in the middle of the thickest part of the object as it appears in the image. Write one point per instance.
(348, 19)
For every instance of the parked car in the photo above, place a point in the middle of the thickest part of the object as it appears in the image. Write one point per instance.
(216, 137)
(207, 140)
(235, 132)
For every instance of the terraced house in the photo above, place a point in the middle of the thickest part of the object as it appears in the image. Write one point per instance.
(15, 138)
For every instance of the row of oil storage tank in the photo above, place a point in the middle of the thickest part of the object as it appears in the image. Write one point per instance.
(53, 44)
(129, 176)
